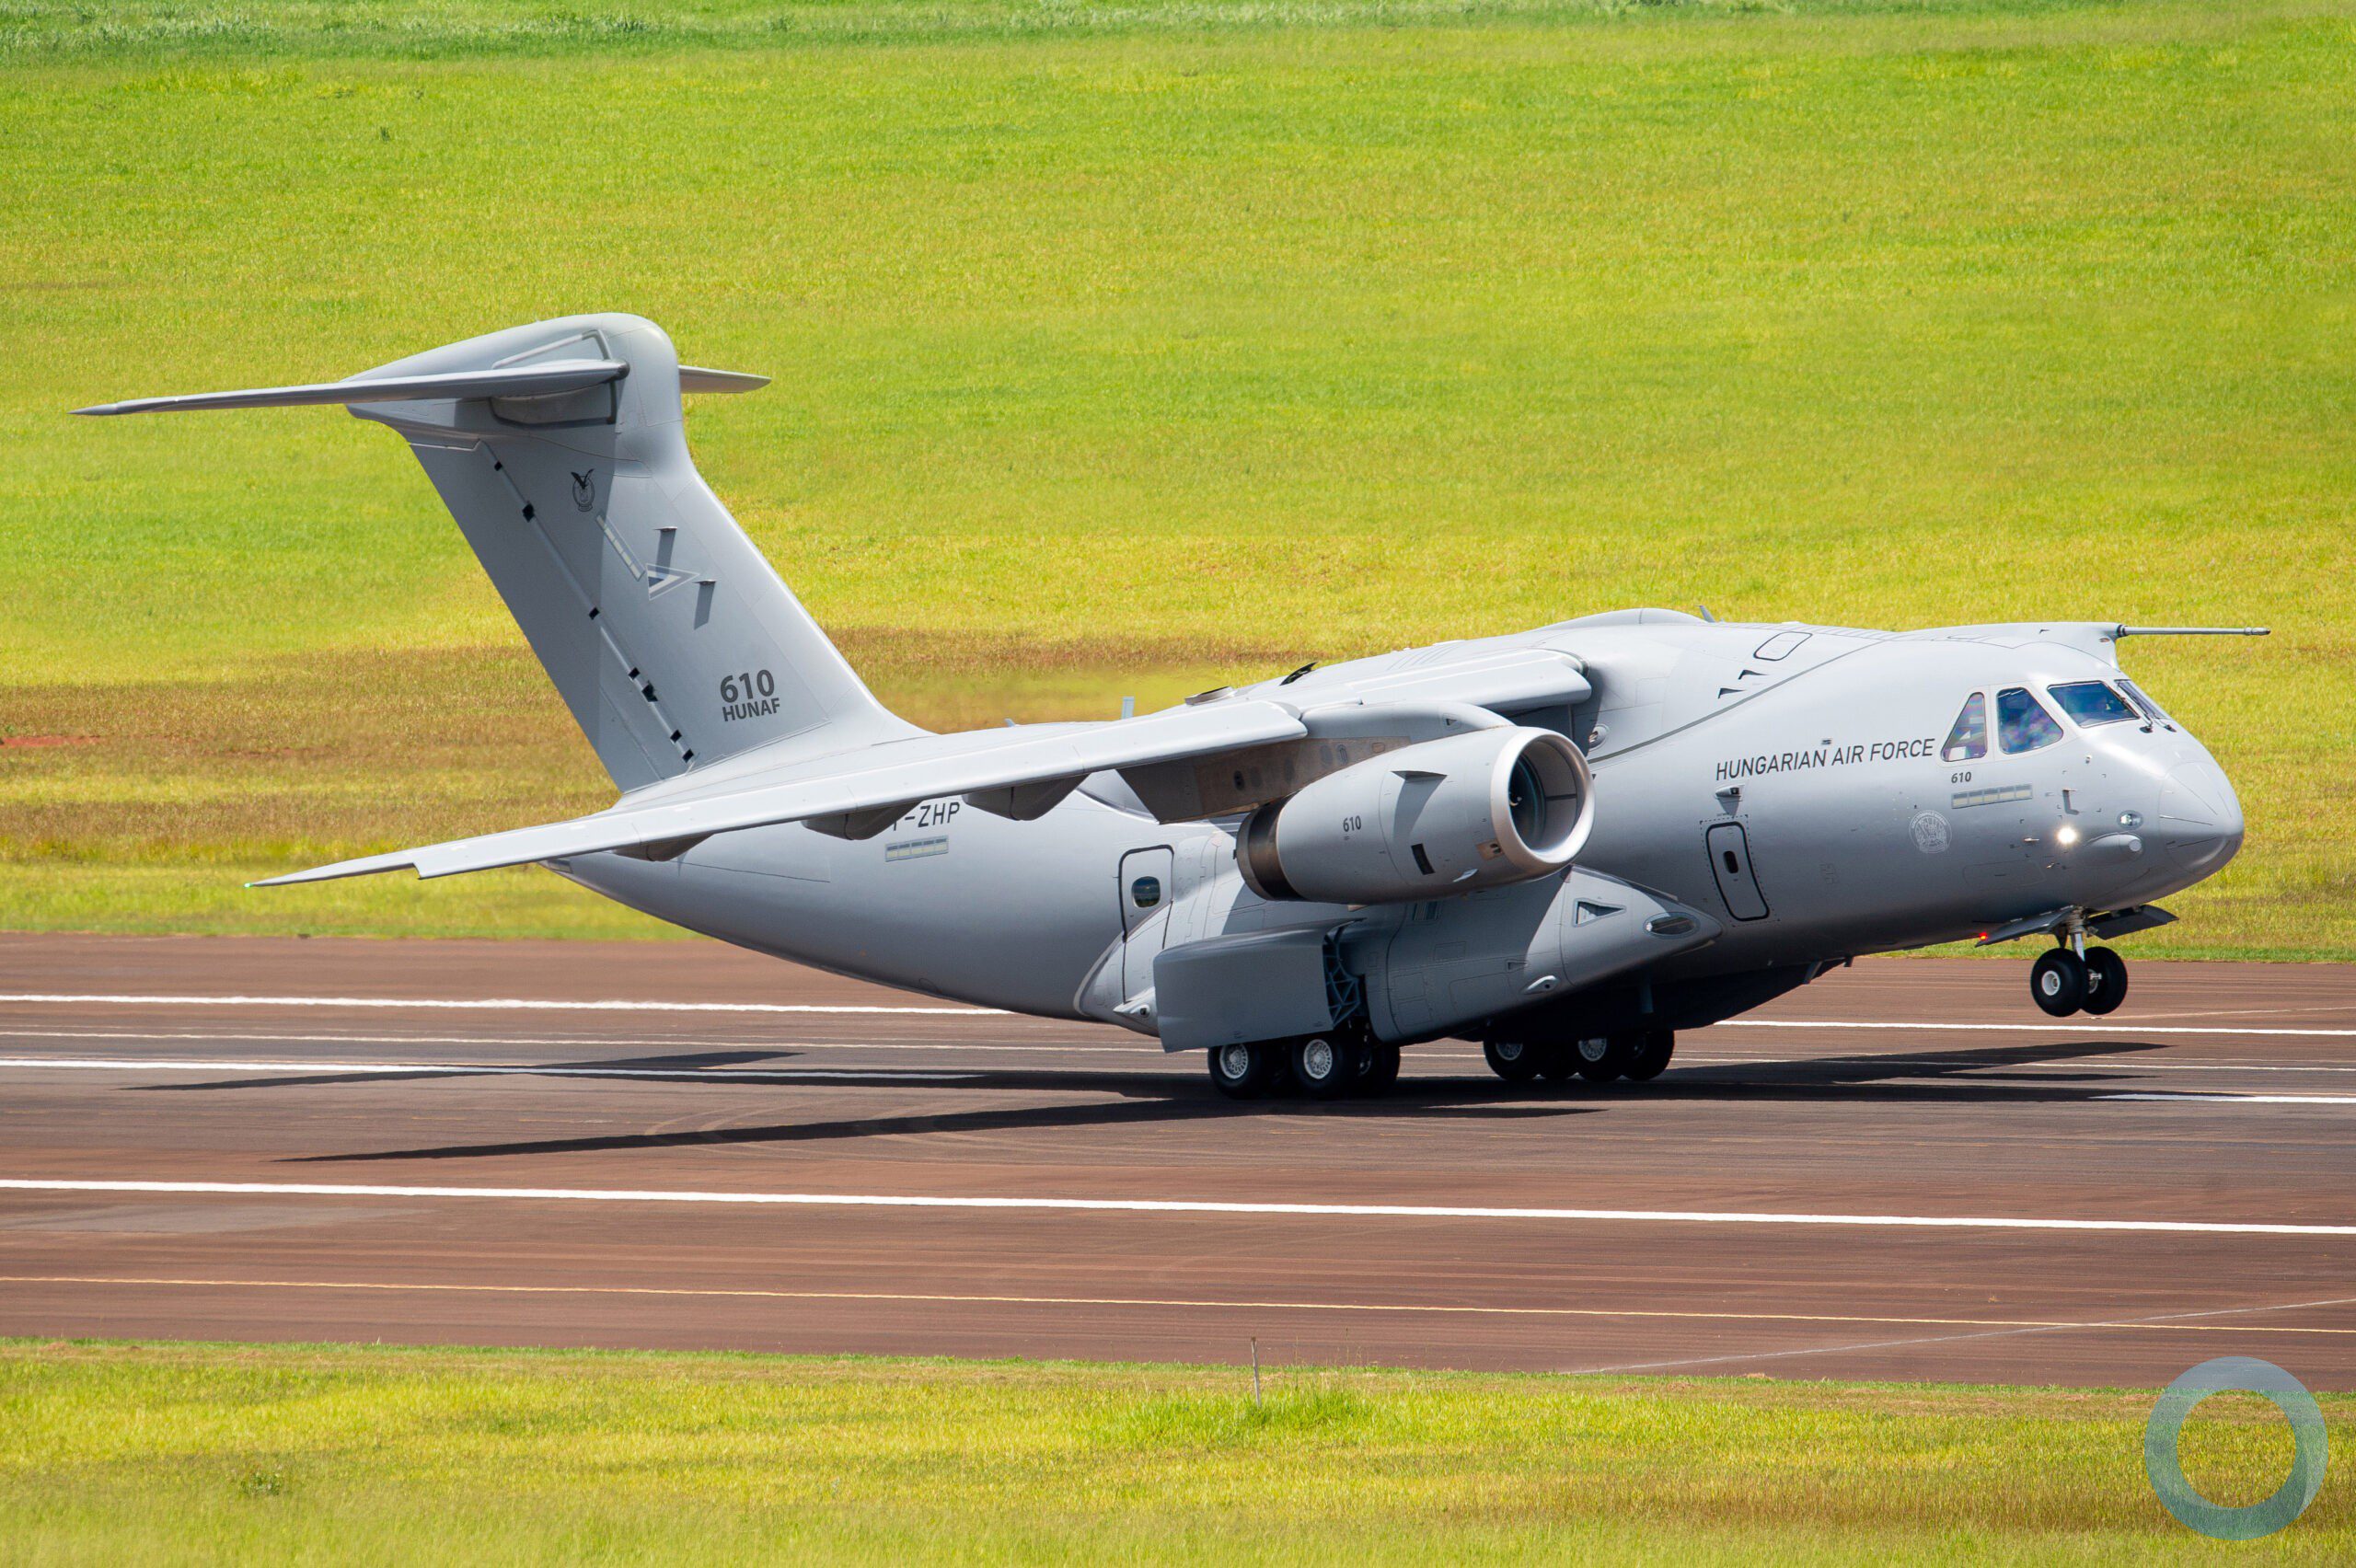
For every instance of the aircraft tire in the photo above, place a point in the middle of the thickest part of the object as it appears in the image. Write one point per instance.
(1515, 1061)
(1377, 1069)
(1599, 1058)
(1244, 1071)
(2106, 980)
(1557, 1061)
(1645, 1054)
(1321, 1067)
(2057, 983)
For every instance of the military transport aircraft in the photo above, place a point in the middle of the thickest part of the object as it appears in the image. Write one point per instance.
(1567, 844)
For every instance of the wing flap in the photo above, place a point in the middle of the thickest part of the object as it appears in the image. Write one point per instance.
(850, 791)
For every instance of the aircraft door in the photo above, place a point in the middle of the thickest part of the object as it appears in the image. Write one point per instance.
(1730, 863)
(1145, 897)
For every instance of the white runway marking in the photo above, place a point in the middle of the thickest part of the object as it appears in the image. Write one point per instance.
(1177, 1205)
(2019, 1028)
(2188, 1098)
(523, 1004)
(2058, 1070)
(470, 1069)
(490, 1004)
(1124, 1044)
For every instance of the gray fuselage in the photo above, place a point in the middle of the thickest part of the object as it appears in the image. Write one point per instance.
(1788, 781)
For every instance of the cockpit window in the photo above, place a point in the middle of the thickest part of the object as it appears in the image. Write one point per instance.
(2091, 703)
(1968, 739)
(2151, 709)
(2021, 725)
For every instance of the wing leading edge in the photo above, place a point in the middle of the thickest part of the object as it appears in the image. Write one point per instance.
(854, 793)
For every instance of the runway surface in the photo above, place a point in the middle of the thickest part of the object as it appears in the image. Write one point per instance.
(1902, 1172)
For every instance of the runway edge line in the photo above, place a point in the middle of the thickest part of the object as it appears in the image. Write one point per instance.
(1173, 1206)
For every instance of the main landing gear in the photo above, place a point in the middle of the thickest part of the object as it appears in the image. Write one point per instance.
(1316, 1067)
(2067, 980)
(1638, 1055)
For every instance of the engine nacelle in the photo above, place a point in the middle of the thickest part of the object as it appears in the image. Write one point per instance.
(1442, 817)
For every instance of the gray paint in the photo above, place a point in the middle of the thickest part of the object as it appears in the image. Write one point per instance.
(635, 587)
(823, 828)
(1234, 990)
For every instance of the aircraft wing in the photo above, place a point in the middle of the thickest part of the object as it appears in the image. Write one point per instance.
(1018, 771)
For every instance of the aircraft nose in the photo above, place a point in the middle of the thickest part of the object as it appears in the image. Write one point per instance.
(2199, 816)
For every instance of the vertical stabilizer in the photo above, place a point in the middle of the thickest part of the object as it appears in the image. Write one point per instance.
(666, 632)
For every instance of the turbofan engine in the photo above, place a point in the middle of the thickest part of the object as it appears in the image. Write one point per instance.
(1442, 817)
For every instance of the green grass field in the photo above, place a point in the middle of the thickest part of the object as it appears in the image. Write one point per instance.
(133, 1453)
(1121, 348)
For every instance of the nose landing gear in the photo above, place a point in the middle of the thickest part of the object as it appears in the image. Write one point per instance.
(2057, 983)
(2078, 978)
(2106, 980)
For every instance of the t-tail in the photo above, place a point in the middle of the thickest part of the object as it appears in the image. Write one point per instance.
(561, 450)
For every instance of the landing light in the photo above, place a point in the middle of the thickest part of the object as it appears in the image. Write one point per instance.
(2065, 836)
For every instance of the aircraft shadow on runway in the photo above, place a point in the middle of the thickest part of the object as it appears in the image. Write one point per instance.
(1949, 1076)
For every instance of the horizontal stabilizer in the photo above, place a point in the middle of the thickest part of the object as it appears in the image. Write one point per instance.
(2191, 631)
(879, 782)
(696, 378)
(547, 379)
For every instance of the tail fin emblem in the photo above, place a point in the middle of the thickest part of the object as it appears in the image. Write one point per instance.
(584, 494)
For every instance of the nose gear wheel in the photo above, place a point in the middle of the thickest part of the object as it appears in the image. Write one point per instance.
(2057, 983)
(2106, 980)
